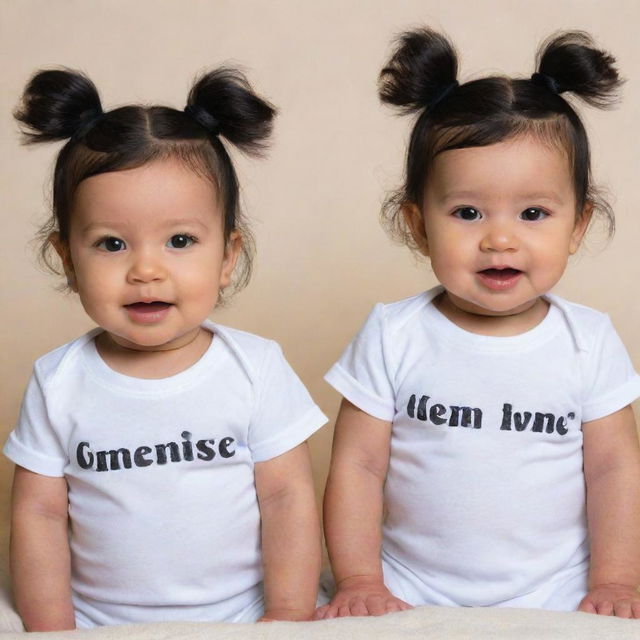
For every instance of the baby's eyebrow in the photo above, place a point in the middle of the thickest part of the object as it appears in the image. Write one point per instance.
(460, 195)
(102, 225)
(550, 196)
(176, 222)
(533, 197)
(108, 225)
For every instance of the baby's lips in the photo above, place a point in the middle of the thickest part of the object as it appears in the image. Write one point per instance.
(500, 273)
(157, 305)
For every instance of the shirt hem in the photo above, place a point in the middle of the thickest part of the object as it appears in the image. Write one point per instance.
(291, 437)
(24, 457)
(355, 393)
(613, 402)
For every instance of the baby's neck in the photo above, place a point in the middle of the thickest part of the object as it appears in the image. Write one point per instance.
(149, 363)
(493, 325)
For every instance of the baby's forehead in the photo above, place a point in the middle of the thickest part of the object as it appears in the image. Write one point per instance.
(523, 168)
(162, 178)
(155, 194)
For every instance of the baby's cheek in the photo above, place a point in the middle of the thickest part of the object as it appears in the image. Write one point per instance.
(548, 272)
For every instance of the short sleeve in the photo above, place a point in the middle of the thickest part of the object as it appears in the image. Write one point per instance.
(34, 444)
(362, 374)
(284, 415)
(612, 382)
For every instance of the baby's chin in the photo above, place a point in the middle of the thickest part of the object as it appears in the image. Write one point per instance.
(146, 342)
(498, 308)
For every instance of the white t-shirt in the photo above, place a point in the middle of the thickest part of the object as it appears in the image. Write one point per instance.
(164, 516)
(485, 495)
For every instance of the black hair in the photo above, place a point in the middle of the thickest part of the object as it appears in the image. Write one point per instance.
(60, 104)
(421, 78)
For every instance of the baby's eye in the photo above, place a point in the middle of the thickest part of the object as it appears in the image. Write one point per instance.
(111, 244)
(467, 213)
(533, 214)
(180, 241)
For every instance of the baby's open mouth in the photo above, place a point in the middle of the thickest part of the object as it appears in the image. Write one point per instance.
(148, 307)
(500, 274)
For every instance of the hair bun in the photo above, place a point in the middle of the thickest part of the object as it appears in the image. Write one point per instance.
(56, 104)
(573, 62)
(421, 71)
(223, 102)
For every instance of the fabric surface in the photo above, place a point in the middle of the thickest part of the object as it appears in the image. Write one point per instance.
(424, 623)
(164, 512)
(485, 491)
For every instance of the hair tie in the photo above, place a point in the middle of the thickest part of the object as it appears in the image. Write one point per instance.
(548, 82)
(443, 94)
(87, 121)
(203, 118)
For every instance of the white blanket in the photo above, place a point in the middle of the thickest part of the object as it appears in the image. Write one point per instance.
(426, 623)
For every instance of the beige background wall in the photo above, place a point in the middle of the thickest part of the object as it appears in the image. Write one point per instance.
(323, 260)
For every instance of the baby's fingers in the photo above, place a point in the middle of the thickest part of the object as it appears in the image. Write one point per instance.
(605, 608)
(622, 601)
(391, 606)
(397, 605)
(376, 605)
(622, 609)
(587, 606)
(320, 612)
(358, 607)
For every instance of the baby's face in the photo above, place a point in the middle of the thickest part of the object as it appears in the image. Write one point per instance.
(500, 223)
(147, 254)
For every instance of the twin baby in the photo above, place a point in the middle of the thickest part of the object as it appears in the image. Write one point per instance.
(485, 452)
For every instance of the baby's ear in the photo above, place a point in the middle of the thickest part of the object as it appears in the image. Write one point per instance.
(580, 228)
(62, 249)
(414, 219)
(231, 253)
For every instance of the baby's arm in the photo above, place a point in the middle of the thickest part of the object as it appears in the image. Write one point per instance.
(40, 558)
(291, 544)
(612, 474)
(353, 515)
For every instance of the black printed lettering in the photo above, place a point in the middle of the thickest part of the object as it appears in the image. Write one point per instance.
(206, 452)
(538, 422)
(436, 412)
(422, 408)
(455, 421)
(161, 452)
(223, 447)
(187, 447)
(114, 462)
(143, 456)
(101, 458)
(541, 423)
(506, 417)
(520, 422)
(411, 407)
(561, 426)
(139, 457)
(85, 461)
(439, 414)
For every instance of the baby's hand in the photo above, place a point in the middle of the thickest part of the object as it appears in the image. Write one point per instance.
(360, 596)
(612, 600)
